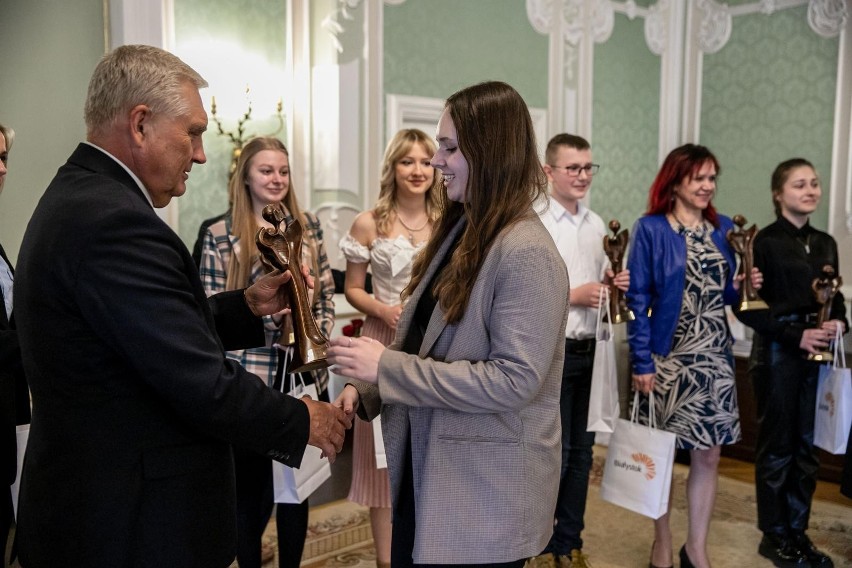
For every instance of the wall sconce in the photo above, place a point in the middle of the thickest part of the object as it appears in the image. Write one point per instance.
(238, 136)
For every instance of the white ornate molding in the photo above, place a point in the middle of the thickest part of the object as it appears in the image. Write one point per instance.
(600, 21)
(827, 17)
(332, 21)
(656, 27)
(716, 23)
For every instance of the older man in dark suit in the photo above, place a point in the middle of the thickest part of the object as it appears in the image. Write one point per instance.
(134, 405)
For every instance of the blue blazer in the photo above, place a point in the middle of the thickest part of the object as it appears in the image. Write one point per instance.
(657, 263)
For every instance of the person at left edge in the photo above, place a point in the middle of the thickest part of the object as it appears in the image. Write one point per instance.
(14, 394)
(135, 406)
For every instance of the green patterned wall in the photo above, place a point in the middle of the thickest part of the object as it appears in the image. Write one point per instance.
(625, 122)
(768, 95)
(231, 44)
(433, 48)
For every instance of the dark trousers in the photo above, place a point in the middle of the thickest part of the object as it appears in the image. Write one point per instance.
(253, 474)
(402, 537)
(786, 463)
(576, 447)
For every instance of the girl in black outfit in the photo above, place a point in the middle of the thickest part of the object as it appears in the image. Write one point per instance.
(790, 254)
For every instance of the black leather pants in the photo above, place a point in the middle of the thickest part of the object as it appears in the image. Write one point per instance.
(786, 463)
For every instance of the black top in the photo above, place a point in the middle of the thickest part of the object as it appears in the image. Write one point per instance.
(425, 307)
(790, 258)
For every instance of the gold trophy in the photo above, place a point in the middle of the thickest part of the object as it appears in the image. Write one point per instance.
(283, 250)
(742, 242)
(825, 286)
(614, 248)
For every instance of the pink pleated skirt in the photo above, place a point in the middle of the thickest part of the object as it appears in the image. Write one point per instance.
(370, 486)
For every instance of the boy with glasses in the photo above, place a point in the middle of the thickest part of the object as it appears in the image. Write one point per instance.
(578, 233)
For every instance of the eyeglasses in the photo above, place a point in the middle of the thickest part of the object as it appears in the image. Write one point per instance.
(574, 169)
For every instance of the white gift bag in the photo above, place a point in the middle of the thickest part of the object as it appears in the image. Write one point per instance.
(603, 398)
(379, 443)
(638, 470)
(833, 416)
(22, 435)
(294, 485)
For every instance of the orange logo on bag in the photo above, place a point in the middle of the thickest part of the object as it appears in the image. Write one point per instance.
(644, 459)
(830, 403)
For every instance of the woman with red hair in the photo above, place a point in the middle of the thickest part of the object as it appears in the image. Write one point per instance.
(682, 275)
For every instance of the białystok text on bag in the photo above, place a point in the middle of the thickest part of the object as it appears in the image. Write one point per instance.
(638, 470)
(603, 399)
(833, 416)
(294, 485)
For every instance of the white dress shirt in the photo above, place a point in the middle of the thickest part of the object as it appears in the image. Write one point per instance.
(579, 239)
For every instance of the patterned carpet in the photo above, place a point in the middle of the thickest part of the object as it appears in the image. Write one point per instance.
(339, 533)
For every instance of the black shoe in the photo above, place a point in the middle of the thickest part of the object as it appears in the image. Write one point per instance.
(685, 562)
(817, 558)
(782, 552)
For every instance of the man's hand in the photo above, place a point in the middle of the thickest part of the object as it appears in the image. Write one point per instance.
(328, 427)
(268, 295)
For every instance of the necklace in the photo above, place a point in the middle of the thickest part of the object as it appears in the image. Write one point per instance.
(410, 230)
(806, 242)
(697, 232)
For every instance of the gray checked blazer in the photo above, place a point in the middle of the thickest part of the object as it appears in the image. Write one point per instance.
(481, 404)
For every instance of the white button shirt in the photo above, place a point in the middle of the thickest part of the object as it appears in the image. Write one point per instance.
(579, 239)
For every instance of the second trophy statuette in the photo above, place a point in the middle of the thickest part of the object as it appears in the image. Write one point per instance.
(283, 250)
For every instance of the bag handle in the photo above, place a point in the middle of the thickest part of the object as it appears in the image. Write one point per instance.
(603, 307)
(652, 415)
(288, 387)
(839, 351)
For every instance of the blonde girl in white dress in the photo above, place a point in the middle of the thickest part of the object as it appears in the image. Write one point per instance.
(386, 239)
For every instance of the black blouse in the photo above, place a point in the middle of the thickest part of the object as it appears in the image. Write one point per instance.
(790, 258)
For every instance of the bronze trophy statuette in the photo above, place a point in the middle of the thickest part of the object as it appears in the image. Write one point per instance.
(742, 240)
(614, 248)
(825, 286)
(283, 250)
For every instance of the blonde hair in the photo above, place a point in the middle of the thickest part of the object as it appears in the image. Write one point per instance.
(243, 222)
(131, 75)
(399, 146)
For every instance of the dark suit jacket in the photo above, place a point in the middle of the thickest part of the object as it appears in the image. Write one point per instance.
(14, 396)
(134, 403)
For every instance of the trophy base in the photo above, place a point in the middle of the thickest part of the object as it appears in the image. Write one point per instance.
(311, 360)
(823, 357)
(620, 317)
(297, 367)
(753, 305)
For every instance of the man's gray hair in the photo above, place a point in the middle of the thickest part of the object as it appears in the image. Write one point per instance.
(131, 75)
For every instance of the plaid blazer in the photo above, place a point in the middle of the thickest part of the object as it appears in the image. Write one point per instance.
(219, 244)
(479, 406)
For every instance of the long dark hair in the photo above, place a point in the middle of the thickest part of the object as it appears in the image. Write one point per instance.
(496, 137)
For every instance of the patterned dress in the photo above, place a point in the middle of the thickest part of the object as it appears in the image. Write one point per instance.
(390, 261)
(695, 393)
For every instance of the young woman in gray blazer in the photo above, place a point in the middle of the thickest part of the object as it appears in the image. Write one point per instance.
(469, 390)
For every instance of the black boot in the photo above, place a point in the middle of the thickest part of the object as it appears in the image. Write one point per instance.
(817, 558)
(781, 551)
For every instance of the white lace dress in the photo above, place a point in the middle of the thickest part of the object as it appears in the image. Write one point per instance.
(390, 263)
